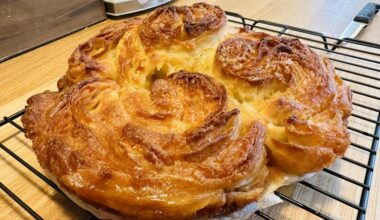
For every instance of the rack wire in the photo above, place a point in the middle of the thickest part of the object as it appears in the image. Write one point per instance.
(358, 64)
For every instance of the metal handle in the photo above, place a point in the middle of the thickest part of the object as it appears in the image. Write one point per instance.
(367, 13)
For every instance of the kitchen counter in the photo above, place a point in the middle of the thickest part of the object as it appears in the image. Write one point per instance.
(39, 69)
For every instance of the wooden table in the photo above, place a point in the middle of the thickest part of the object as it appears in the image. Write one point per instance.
(38, 70)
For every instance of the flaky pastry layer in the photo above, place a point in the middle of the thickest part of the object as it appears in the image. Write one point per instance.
(179, 115)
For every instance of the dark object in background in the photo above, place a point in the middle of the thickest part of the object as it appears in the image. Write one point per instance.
(26, 24)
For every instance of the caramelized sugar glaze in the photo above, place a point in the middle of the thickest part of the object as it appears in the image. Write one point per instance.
(178, 115)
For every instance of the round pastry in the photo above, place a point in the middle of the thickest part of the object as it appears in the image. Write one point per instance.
(179, 115)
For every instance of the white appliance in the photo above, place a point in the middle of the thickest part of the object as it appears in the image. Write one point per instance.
(124, 7)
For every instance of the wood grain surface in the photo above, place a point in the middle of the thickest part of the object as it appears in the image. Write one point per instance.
(26, 24)
(38, 70)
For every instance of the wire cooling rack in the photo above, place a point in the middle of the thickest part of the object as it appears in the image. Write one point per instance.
(347, 184)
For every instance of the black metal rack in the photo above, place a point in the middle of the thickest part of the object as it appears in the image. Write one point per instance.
(350, 57)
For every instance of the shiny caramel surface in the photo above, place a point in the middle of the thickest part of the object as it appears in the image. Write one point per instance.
(177, 115)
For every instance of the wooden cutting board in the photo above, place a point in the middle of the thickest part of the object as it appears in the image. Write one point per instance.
(26, 24)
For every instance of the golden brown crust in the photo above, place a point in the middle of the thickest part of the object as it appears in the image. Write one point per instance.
(295, 158)
(247, 56)
(170, 24)
(201, 17)
(308, 111)
(92, 138)
(171, 116)
(162, 26)
(83, 62)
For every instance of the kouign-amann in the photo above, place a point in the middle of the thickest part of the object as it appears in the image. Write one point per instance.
(180, 115)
